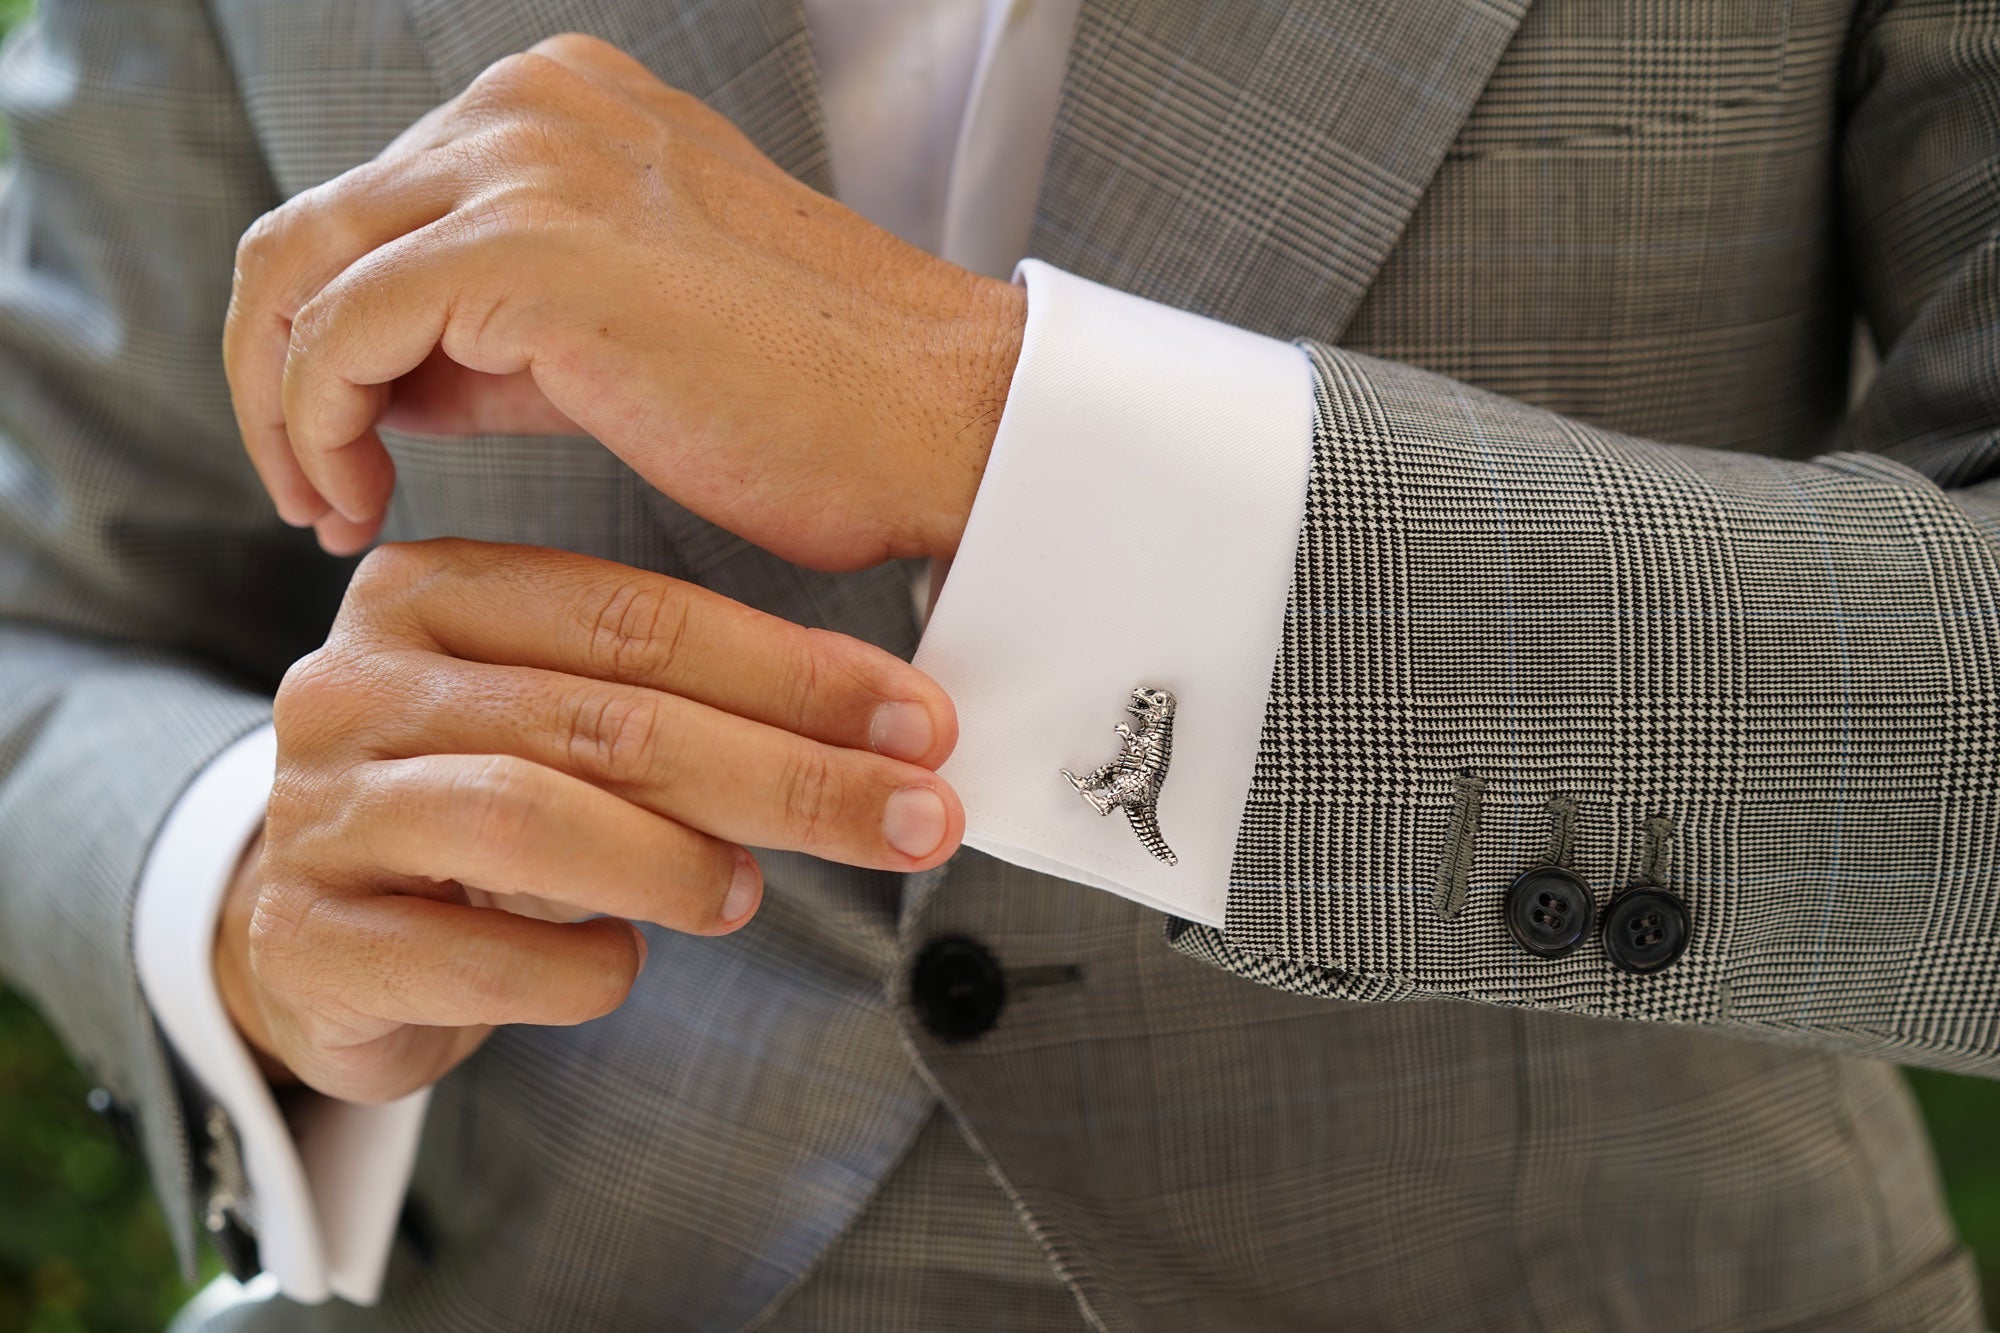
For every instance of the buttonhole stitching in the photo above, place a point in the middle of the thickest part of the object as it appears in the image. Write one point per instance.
(1562, 823)
(1456, 868)
(1653, 860)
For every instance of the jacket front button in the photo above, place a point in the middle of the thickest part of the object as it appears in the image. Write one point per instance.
(1549, 911)
(957, 988)
(1645, 928)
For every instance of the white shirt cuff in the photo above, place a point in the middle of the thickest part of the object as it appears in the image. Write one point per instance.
(326, 1188)
(1138, 524)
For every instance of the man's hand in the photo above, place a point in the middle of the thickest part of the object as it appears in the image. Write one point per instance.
(563, 735)
(570, 245)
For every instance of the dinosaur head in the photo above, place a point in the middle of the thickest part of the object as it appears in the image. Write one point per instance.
(1151, 705)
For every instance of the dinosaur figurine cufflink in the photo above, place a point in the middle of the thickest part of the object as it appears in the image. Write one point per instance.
(1132, 781)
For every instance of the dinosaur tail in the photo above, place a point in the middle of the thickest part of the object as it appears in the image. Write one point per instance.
(1146, 823)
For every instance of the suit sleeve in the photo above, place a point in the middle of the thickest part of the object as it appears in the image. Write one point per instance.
(1769, 689)
(148, 597)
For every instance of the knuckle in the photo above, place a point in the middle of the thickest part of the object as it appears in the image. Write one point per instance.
(294, 817)
(384, 572)
(282, 921)
(487, 978)
(311, 324)
(343, 702)
(811, 798)
(394, 574)
(537, 152)
(498, 796)
(638, 628)
(681, 102)
(522, 76)
(313, 687)
(436, 556)
(613, 733)
(807, 679)
(340, 209)
(262, 241)
(329, 215)
(834, 675)
(502, 218)
(574, 45)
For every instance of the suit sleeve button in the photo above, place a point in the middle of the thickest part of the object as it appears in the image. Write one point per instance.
(1645, 929)
(1549, 911)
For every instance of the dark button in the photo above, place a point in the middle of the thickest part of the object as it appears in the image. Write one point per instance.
(957, 988)
(1549, 911)
(1645, 928)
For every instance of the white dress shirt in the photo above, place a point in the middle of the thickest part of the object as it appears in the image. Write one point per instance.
(1136, 526)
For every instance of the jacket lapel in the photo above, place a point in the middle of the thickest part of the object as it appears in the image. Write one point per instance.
(750, 59)
(1255, 162)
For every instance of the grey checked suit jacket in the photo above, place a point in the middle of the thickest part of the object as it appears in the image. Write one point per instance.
(1578, 283)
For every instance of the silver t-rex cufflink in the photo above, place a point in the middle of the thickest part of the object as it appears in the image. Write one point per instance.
(1132, 781)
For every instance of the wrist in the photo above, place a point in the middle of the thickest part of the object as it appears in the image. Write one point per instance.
(988, 346)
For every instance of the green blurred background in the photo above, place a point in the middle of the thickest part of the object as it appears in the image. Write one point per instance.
(82, 1246)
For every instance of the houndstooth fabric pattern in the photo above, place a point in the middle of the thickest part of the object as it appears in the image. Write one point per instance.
(939, 1246)
(1527, 240)
(1795, 662)
(1822, 728)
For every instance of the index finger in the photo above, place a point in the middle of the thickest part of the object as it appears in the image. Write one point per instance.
(557, 611)
(283, 260)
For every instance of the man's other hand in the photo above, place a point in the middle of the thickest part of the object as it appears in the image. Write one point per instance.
(497, 726)
(571, 245)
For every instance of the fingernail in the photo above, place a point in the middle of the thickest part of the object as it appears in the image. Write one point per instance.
(914, 821)
(743, 889)
(901, 731)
